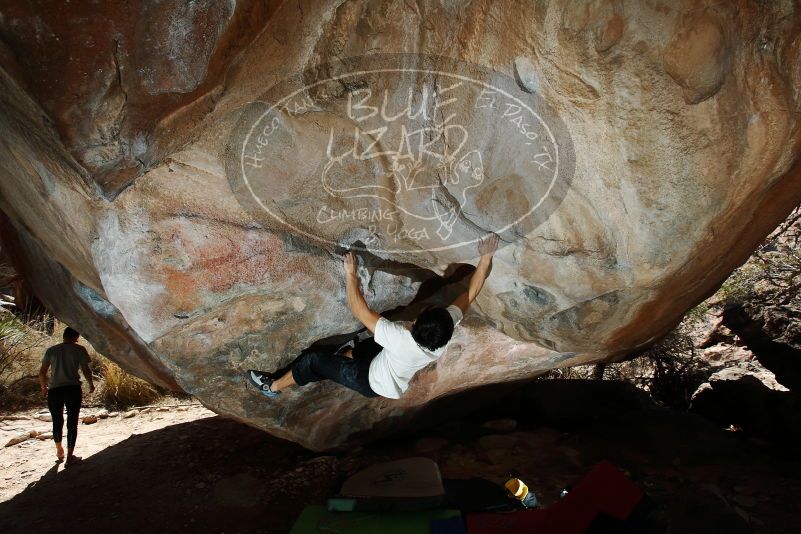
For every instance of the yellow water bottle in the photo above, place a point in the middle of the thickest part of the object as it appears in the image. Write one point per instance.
(520, 491)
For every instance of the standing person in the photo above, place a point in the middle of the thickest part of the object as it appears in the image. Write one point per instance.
(385, 363)
(64, 388)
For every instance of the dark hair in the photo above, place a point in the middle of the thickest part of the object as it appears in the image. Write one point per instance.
(71, 334)
(433, 328)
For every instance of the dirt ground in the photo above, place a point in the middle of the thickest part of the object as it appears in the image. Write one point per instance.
(23, 464)
(183, 469)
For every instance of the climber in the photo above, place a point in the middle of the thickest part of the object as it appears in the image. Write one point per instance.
(383, 364)
(64, 388)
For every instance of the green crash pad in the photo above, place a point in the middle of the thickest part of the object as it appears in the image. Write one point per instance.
(318, 520)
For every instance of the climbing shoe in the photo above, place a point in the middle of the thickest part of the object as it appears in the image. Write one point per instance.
(262, 382)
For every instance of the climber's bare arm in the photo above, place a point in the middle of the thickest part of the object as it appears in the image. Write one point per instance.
(356, 303)
(486, 248)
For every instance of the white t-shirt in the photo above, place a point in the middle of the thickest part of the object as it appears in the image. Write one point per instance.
(393, 368)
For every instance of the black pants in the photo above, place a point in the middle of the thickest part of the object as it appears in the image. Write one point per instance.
(322, 363)
(57, 398)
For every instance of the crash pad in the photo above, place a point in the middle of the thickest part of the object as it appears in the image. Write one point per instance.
(400, 479)
(316, 520)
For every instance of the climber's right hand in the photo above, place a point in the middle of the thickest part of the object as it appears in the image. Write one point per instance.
(350, 263)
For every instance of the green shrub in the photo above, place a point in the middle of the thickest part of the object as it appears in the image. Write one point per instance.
(773, 273)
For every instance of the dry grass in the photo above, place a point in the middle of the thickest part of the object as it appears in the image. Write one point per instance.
(122, 390)
(22, 345)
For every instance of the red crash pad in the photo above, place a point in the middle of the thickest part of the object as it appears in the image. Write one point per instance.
(605, 490)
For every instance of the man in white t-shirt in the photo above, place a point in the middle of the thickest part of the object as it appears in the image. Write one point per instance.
(383, 364)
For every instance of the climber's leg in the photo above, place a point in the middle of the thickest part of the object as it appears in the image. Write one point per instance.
(321, 364)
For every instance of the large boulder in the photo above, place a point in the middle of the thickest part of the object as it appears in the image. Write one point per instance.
(178, 179)
(773, 333)
(747, 396)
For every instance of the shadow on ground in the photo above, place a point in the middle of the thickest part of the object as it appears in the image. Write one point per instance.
(215, 475)
(211, 475)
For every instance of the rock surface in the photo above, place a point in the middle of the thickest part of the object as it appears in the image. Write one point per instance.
(773, 333)
(675, 133)
(751, 399)
(89, 419)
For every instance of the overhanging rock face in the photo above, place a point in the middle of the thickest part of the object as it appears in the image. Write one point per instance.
(179, 179)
